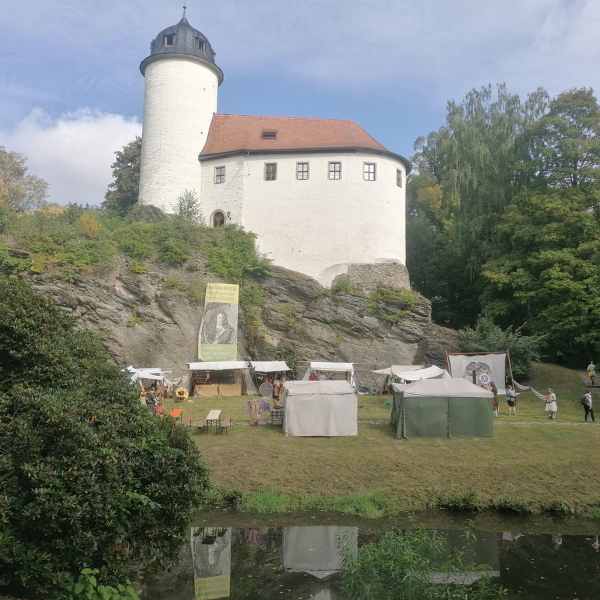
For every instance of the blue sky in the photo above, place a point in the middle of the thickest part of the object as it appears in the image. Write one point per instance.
(71, 93)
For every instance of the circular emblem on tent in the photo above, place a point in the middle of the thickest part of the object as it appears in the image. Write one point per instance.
(484, 378)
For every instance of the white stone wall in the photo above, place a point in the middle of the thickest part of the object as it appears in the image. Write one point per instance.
(179, 101)
(317, 226)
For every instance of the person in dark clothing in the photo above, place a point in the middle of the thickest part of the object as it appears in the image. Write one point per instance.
(588, 406)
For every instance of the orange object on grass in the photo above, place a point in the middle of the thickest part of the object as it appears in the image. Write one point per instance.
(176, 413)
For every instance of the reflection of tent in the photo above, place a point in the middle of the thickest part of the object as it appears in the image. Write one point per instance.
(413, 373)
(442, 408)
(222, 378)
(318, 551)
(211, 558)
(320, 408)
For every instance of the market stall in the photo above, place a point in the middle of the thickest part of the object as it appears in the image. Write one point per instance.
(223, 378)
(320, 408)
(442, 408)
(404, 374)
(331, 371)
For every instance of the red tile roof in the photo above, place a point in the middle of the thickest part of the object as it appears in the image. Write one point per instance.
(235, 133)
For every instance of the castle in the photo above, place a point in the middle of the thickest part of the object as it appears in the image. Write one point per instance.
(322, 195)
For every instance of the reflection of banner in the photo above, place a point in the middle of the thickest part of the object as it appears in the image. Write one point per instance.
(211, 557)
(487, 368)
(217, 339)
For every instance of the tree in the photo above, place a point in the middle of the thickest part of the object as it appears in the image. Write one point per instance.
(123, 191)
(547, 275)
(19, 190)
(89, 477)
(188, 208)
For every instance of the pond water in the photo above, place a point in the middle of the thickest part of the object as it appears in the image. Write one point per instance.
(300, 559)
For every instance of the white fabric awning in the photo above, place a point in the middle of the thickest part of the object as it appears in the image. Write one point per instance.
(448, 387)
(395, 369)
(336, 367)
(432, 372)
(272, 366)
(226, 365)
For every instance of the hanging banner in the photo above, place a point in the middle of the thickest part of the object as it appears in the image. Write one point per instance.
(487, 368)
(217, 339)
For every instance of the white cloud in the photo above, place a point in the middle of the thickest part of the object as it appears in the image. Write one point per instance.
(73, 152)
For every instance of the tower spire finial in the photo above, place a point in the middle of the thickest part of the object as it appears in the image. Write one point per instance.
(184, 11)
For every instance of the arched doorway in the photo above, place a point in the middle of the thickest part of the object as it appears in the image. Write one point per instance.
(218, 218)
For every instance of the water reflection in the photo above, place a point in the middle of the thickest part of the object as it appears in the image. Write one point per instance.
(304, 563)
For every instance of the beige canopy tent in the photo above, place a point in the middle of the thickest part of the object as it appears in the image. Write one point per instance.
(269, 366)
(320, 408)
(331, 369)
(442, 408)
(416, 373)
(222, 378)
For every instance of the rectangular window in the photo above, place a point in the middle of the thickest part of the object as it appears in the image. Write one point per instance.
(198, 43)
(270, 171)
(269, 135)
(169, 40)
(219, 174)
(301, 170)
(335, 170)
(398, 177)
(369, 171)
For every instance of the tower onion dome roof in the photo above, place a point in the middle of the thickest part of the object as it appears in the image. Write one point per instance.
(183, 41)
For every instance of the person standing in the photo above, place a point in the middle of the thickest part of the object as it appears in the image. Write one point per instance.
(511, 400)
(591, 372)
(551, 404)
(495, 406)
(588, 406)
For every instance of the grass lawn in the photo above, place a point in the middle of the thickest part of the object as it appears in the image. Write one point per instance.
(530, 465)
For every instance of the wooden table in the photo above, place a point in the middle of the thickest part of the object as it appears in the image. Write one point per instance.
(213, 418)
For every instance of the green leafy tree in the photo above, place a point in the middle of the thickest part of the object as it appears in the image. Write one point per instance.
(188, 208)
(89, 477)
(123, 191)
(19, 190)
(548, 273)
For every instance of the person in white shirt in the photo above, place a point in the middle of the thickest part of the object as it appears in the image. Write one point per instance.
(551, 404)
(588, 406)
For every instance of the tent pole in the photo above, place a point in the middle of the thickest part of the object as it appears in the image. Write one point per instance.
(512, 379)
(448, 362)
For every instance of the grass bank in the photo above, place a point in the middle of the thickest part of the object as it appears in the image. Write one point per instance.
(531, 465)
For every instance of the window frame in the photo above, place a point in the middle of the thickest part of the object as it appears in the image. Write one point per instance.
(166, 38)
(302, 170)
(219, 175)
(334, 170)
(369, 171)
(199, 43)
(270, 169)
(399, 178)
(269, 134)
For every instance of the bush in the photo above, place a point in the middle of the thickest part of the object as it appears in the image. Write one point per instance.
(486, 336)
(89, 477)
(390, 304)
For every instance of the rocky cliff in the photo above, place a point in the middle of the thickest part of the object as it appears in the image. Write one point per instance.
(152, 318)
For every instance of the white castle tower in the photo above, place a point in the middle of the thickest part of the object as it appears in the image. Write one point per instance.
(180, 99)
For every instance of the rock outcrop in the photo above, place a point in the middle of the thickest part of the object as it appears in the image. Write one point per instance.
(152, 319)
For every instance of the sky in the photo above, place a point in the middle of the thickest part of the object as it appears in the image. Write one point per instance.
(71, 93)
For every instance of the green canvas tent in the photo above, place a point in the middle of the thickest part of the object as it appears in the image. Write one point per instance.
(442, 408)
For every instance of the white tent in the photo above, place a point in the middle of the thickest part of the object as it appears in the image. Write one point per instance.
(416, 374)
(269, 366)
(487, 368)
(347, 369)
(149, 374)
(320, 408)
(395, 369)
(318, 551)
(448, 388)
(224, 365)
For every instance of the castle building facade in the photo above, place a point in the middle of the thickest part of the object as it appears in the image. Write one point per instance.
(320, 194)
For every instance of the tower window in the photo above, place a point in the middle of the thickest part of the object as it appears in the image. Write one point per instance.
(270, 171)
(219, 174)
(335, 170)
(398, 177)
(169, 39)
(302, 170)
(369, 171)
(218, 218)
(198, 43)
(269, 135)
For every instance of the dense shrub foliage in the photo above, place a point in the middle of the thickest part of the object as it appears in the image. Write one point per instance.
(89, 477)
